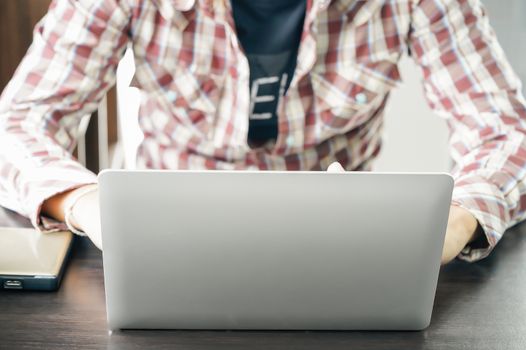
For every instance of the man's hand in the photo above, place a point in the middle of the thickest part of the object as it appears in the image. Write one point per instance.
(85, 213)
(461, 227)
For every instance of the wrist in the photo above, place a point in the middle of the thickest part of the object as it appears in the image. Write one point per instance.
(55, 207)
(73, 203)
(463, 221)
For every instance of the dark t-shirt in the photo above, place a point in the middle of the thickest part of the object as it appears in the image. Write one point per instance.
(269, 32)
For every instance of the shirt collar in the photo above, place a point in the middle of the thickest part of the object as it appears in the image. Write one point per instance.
(369, 7)
(167, 8)
(170, 9)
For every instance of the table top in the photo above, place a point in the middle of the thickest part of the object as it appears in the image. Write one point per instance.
(477, 306)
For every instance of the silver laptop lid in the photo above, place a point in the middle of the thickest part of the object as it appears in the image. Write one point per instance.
(272, 250)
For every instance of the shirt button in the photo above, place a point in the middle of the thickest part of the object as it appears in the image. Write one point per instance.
(171, 96)
(361, 98)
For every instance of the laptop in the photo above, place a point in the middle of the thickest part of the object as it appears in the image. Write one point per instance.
(272, 250)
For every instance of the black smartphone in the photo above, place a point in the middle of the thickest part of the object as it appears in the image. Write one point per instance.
(31, 260)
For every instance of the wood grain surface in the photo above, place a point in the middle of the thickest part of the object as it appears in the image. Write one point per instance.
(477, 306)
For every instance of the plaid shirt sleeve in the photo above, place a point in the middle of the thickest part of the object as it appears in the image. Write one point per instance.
(469, 82)
(64, 75)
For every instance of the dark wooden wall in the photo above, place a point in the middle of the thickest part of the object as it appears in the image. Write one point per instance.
(17, 20)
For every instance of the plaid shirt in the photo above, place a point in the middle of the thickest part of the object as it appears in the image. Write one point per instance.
(194, 77)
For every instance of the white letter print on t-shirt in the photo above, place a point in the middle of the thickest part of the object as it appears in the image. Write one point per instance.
(254, 98)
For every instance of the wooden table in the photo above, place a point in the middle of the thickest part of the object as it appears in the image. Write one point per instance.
(477, 306)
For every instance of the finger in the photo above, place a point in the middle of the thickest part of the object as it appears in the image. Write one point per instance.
(335, 168)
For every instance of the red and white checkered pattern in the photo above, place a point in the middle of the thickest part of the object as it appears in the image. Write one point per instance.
(194, 80)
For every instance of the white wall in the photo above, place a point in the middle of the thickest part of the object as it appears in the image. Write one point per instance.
(414, 139)
(128, 101)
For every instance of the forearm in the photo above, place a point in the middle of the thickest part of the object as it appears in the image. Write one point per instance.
(63, 77)
(462, 220)
(475, 89)
(57, 206)
(82, 206)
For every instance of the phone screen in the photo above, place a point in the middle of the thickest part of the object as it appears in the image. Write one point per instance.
(26, 253)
